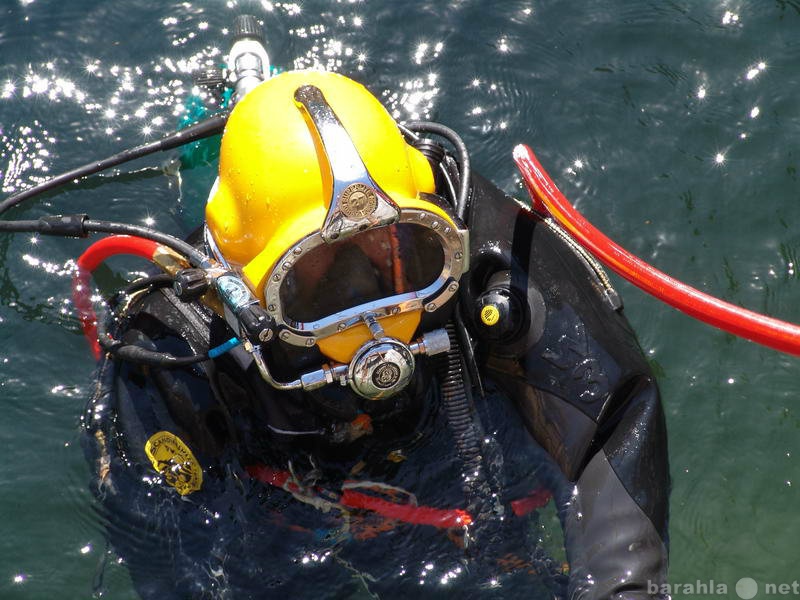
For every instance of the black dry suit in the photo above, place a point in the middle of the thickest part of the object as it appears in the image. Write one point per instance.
(325, 494)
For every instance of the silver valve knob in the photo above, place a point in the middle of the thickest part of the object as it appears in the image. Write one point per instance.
(432, 342)
(381, 368)
(385, 366)
(248, 62)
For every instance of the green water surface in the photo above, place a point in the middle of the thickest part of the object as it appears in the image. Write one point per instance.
(672, 124)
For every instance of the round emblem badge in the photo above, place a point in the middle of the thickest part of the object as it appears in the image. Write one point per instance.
(358, 201)
(175, 462)
(386, 375)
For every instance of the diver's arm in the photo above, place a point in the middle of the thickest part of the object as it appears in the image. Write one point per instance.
(603, 425)
(571, 363)
(613, 501)
(615, 523)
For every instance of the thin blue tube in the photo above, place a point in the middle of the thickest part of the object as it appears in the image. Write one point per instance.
(223, 348)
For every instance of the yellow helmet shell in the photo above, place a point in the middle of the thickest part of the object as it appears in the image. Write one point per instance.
(275, 182)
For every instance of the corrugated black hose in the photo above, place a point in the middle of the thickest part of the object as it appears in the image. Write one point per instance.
(482, 491)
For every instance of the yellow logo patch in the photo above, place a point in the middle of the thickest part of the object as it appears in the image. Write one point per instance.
(175, 462)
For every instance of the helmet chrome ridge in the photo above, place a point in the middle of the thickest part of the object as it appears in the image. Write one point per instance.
(329, 216)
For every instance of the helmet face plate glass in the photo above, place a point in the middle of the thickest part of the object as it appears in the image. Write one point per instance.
(414, 265)
(375, 264)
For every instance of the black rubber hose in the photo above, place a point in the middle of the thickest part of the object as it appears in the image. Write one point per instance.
(20, 226)
(143, 356)
(469, 350)
(81, 226)
(151, 282)
(154, 281)
(463, 155)
(458, 410)
(206, 128)
(483, 498)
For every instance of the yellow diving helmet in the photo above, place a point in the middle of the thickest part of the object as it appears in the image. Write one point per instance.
(329, 216)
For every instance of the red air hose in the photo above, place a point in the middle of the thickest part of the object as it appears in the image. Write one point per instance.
(88, 262)
(753, 326)
(441, 518)
(407, 513)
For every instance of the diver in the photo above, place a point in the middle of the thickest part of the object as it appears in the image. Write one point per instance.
(367, 372)
(345, 230)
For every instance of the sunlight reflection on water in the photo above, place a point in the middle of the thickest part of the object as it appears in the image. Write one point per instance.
(683, 151)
